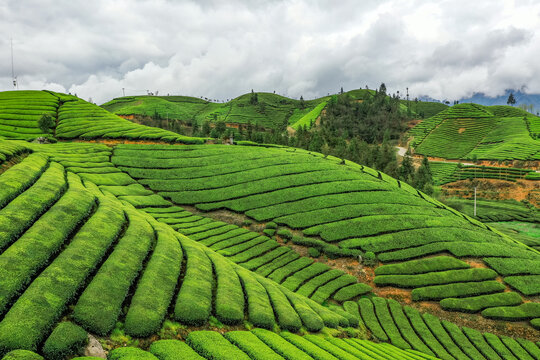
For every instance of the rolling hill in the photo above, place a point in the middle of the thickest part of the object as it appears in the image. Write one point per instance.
(471, 131)
(271, 111)
(242, 252)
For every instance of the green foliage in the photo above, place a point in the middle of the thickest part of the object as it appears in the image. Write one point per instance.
(422, 266)
(462, 289)
(100, 304)
(173, 350)
(130, 353)
(28, 321)
(194, 300)
(211, 345)
(156, 287)
(45, 123)
(524, 311)
(436, 278)
(370, 319)
(20, 177)
(251, 345)
(477, 303)
(269, 232)
(22, 355)
(528, 285)
(23, 112)
(24, 210)
(280, 345)
(66, 339)
(470, 131)
(314, 252)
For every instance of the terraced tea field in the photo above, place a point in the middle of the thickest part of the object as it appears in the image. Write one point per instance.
(201, 252)
(471, 131)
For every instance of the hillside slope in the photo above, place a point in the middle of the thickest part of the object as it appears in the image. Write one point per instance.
(112, 233)
(471, 131)
(135, 243)
(20, 112)
(271, 111)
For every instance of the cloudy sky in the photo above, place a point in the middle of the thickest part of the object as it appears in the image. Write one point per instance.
(221, 49)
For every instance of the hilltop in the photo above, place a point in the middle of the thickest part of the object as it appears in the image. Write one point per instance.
(270, 111)
(242, 252)
(471, 132)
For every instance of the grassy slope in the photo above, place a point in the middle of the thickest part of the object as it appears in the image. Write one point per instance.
(468, 131)
(241, 258)
(24, 324)
(272, 111)
(74, 118)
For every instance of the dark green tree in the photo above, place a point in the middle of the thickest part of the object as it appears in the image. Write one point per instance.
(46, 122)
(511, 99)
(254, 99)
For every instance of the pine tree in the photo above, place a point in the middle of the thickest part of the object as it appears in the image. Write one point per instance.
(511, 99)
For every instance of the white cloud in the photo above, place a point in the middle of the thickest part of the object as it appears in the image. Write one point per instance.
(295, 47)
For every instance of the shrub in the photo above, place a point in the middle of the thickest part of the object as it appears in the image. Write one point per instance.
(271, 225)
(314, 252)
(173, 350)
(66, 339)
(280, 345)
(421, 266)
(46, 122)
(130, 353)
(269, 232)
(22, 355)
(369, 258)
(438, 292)
(213, 346)
(285, 234)
(477, 303)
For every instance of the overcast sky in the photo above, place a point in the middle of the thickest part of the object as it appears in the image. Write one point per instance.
(222, 49)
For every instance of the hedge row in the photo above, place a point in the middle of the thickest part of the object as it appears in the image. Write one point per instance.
(436, 278)
(156, 287)
(31, 252)
(422, 266)
(478, 303)
(101, 302)
(456, 290)
(43, 303)
(21, 176)
(23, 211)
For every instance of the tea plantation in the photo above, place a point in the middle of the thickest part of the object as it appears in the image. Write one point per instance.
(198, 252)
(471, 131)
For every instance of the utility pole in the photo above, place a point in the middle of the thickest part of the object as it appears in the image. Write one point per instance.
(15, 85)
(124, 92)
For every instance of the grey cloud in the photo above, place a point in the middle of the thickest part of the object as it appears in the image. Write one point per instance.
(296, 47)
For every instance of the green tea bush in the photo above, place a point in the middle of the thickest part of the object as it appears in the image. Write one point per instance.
(280, 345)
(22, 355)
(65, 340)
(194, 300)
(314, 252)
(130, 353)
(251, 345)
(211, 345)
(436, 278)
(173, 350)
(101, 302)
(156, 287)
(478, 303)
(421, 266)
(464, 289)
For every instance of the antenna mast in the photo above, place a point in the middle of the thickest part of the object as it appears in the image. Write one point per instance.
(13, 77)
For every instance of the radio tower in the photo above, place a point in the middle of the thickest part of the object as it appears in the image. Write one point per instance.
(13, 77)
